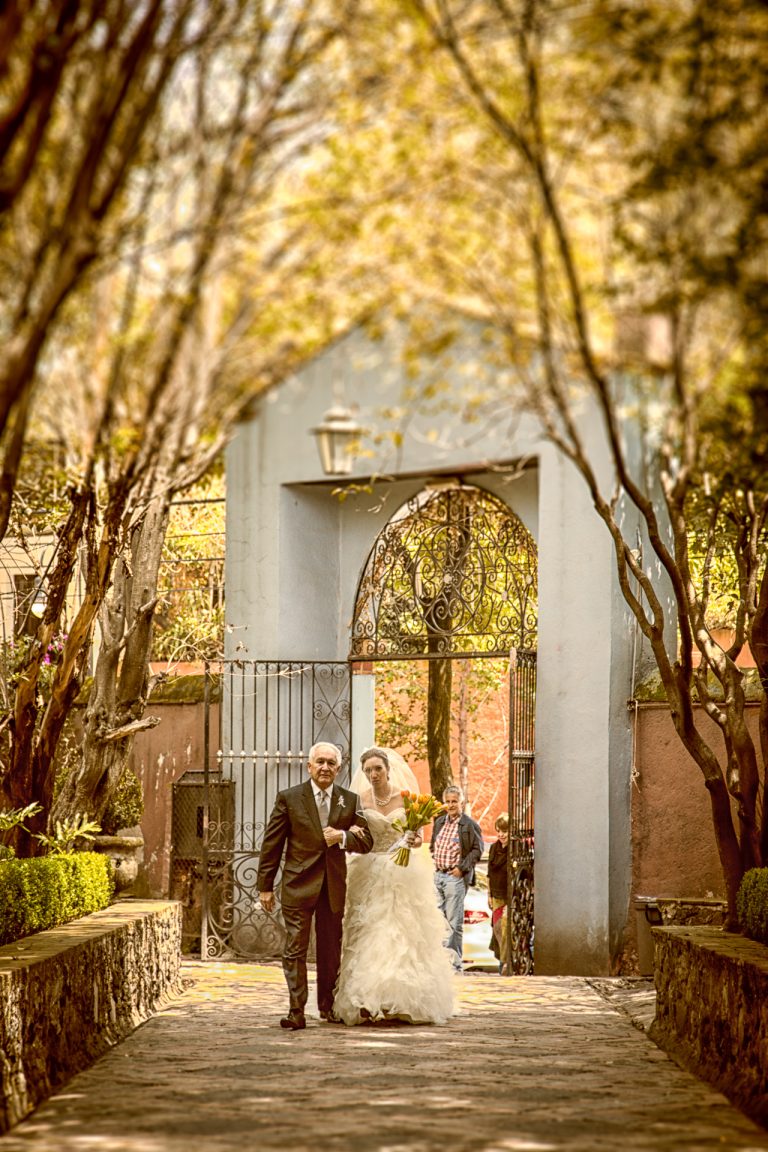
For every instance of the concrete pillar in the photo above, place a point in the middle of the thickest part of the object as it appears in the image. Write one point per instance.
(363, 714)
(582, 734)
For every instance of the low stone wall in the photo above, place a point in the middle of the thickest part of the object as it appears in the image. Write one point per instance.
(667, 912)
(68, 994)
(712, 1010)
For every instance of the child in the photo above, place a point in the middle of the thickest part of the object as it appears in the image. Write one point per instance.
(498, 881)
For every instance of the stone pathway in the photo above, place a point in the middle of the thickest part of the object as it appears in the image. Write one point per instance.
(533, 1064)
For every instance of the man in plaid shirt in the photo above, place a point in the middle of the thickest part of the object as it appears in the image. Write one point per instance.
(456, 845)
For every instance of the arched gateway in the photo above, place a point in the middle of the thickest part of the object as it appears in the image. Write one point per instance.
(452, 575)
(300, 563)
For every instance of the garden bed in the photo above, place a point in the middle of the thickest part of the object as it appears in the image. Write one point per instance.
(712, 1010)
(69, 994)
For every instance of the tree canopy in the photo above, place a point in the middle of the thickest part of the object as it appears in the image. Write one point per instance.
(634, 145)
(163, 265)
(194, 199)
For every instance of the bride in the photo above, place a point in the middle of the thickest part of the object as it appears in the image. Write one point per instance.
(393, 962)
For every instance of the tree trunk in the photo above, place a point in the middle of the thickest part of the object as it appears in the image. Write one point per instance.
(437, 608)
(119, 692)
(439, 725)
(678, 690)
(727, 841)
(759, 646)
(462, 725)
(33, 740)
(727, 846)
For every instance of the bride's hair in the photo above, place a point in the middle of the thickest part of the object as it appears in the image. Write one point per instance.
(400, 775)
(370, 753)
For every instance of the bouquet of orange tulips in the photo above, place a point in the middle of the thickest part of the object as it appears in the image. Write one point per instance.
(419, 810)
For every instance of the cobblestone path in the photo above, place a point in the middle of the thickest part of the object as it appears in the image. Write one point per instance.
(534, 1064)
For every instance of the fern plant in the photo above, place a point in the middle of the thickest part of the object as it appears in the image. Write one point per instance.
(67, 832)
(12, 818)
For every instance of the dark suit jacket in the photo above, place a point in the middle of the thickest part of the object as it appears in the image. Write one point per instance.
(295, 826)
(471, 841)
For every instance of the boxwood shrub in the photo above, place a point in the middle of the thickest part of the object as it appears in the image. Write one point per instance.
(51, 890)
(752, 904)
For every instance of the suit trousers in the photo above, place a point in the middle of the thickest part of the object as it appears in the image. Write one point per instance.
(298, 924)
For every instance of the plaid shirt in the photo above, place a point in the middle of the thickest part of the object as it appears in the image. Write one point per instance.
(447, 849)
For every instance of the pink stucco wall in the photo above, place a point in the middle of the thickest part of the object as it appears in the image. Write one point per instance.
(673, 844)
(161, 755)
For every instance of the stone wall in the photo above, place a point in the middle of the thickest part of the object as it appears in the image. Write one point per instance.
(68, 994)
(668, 913)
(712, 1010)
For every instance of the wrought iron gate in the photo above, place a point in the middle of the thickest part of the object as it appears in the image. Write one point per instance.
(522, 712)
(453, 573)
(271, 713)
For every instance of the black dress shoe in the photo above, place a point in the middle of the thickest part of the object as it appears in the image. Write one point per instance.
(294, 1021)
(330, 1017)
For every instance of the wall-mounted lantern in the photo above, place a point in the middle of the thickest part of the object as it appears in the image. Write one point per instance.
(39, 600)
(337, 439)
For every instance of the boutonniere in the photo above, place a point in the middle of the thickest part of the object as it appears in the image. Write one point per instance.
(340, 803)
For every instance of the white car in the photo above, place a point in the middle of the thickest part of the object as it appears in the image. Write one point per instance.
(477, 926)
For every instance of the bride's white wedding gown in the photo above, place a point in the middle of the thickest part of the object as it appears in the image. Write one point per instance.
(393, 962)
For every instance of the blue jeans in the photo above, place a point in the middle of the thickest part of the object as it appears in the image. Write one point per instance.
(450, 900)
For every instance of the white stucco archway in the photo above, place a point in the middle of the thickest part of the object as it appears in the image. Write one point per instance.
(294, 556)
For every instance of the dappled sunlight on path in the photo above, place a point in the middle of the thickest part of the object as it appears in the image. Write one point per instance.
(528, 1064)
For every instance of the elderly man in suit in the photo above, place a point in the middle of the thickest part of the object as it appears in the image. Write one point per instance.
(456, 846)
(313, 823)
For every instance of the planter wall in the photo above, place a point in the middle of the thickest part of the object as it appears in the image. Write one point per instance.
(712, 1010)
(670, 912)
(68, 994)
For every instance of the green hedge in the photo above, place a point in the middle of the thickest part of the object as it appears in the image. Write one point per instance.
(752, 904)
(50, 890)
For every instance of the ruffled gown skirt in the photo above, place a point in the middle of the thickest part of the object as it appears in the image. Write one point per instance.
(393, 960)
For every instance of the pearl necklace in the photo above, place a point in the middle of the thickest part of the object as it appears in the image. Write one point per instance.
(382, 803)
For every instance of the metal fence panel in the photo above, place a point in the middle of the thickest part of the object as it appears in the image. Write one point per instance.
(272, 712)
(522, 766)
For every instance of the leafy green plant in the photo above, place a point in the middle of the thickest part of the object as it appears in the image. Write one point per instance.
(752, 904)
(67, 832)
(12, 818)
(126, 805)
(51, 890)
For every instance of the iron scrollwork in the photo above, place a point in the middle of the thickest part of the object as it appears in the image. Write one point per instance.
(236, 923)
(521, 918)
(272, 712)
(521, 801)
(454, 572)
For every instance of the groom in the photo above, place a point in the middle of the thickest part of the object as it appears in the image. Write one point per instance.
(313, 823)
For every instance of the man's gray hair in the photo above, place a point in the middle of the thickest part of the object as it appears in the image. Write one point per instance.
(453, 788)
(326, 744)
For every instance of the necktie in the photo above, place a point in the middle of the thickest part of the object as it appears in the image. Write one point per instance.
(322, 807)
